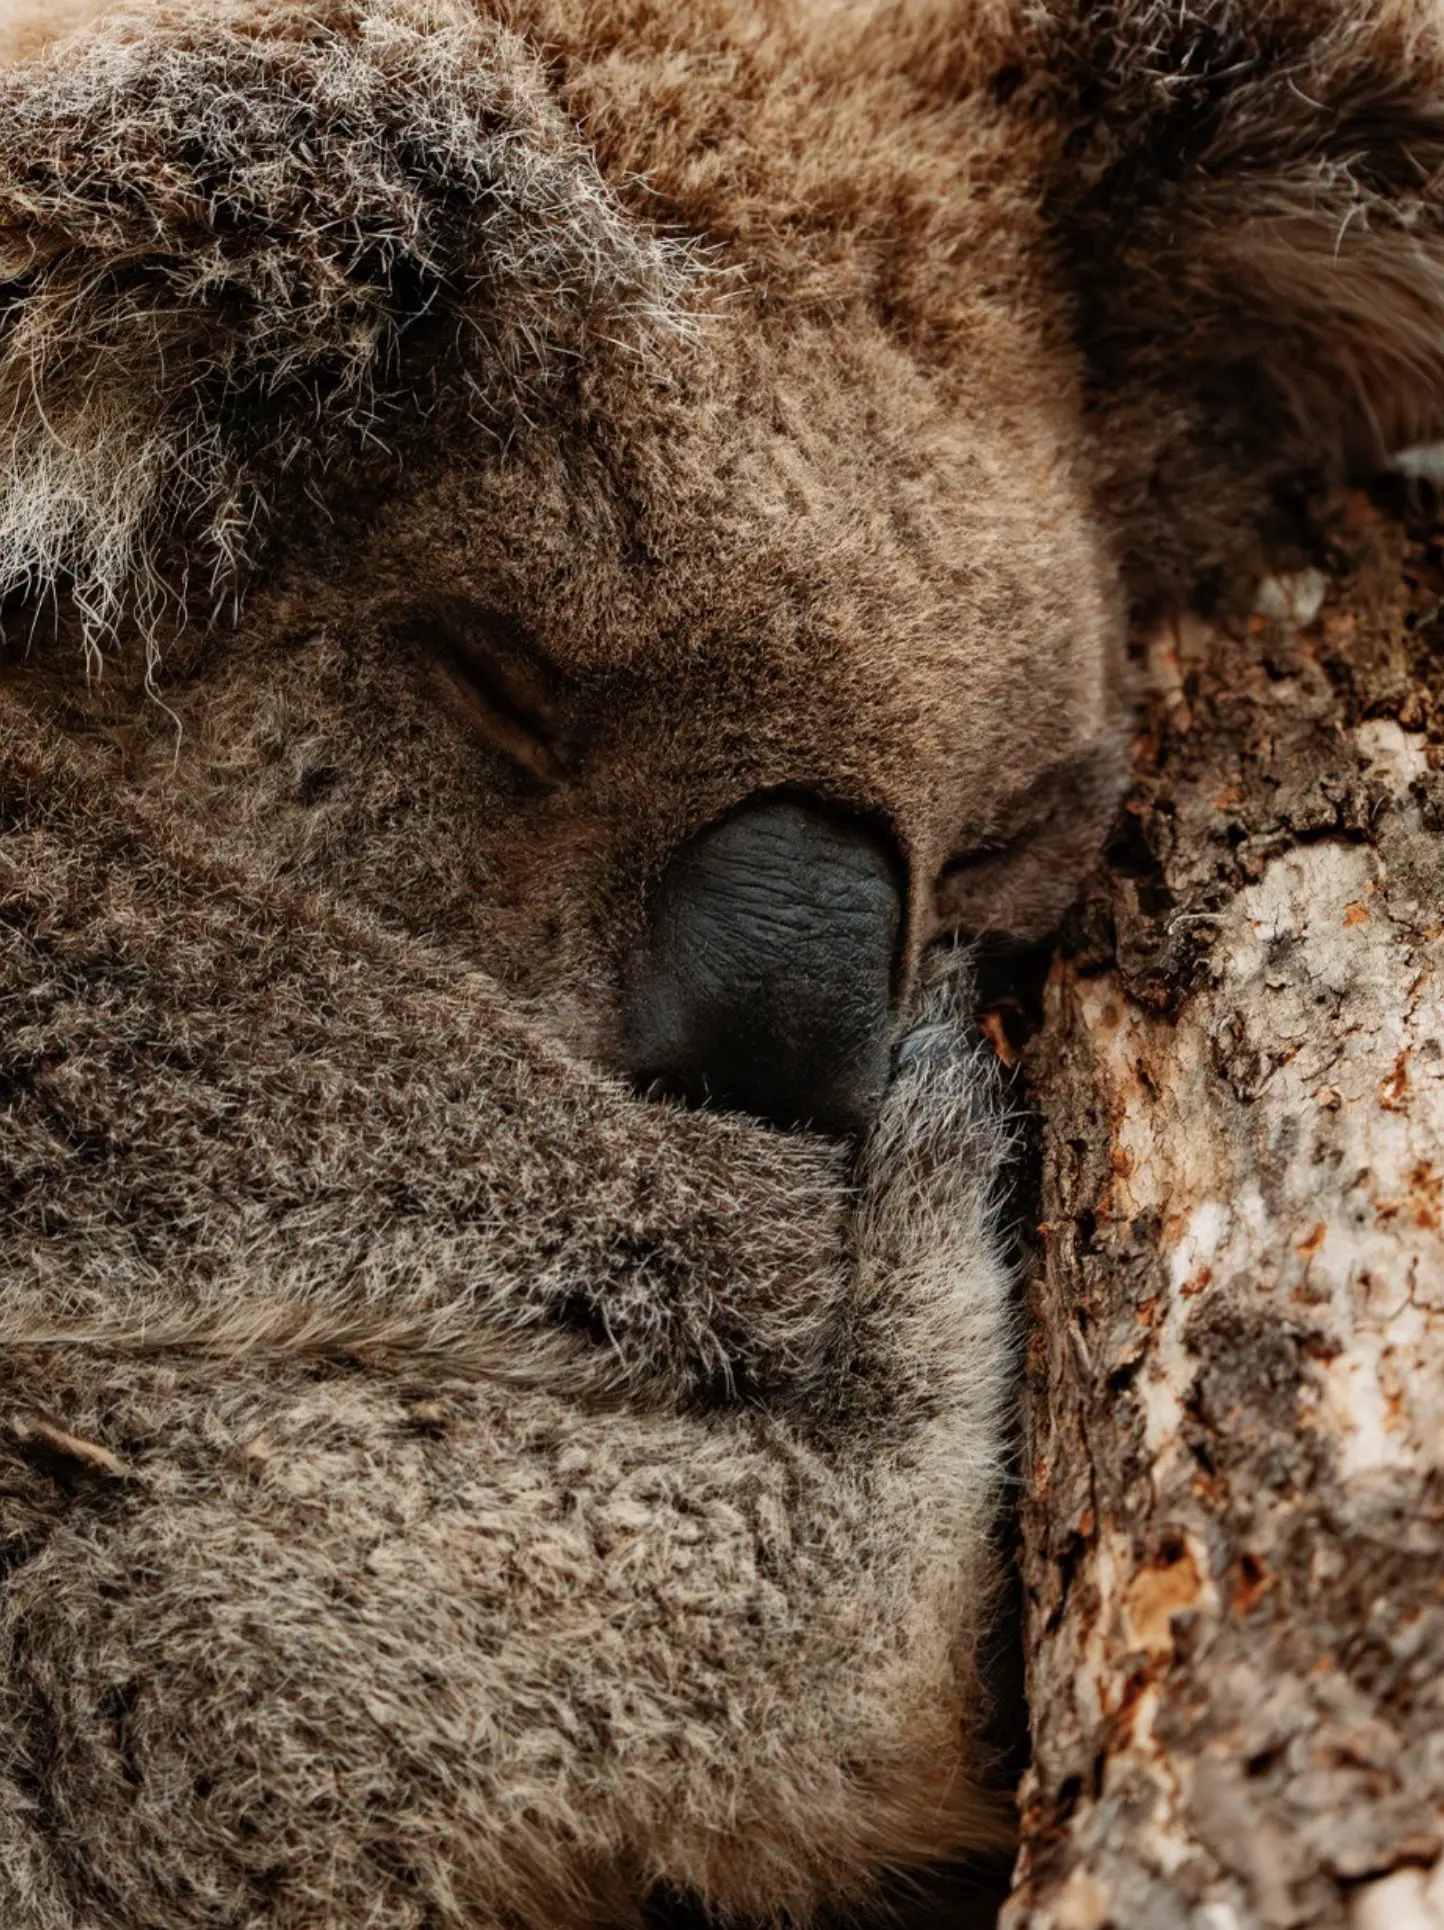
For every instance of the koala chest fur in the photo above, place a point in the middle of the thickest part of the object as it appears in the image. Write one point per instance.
(549, 553)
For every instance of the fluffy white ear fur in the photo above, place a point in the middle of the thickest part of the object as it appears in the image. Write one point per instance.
(203, 307)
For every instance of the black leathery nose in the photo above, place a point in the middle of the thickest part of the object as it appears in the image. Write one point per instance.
(766, 985)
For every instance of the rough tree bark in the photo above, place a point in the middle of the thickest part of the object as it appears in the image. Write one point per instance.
(1234, 1514)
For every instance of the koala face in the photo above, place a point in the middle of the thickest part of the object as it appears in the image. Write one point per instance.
(808, 575)
(774, 595)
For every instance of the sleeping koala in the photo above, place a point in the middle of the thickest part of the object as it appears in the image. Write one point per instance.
(551, 550)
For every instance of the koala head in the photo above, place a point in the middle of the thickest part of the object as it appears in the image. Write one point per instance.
(689, 476)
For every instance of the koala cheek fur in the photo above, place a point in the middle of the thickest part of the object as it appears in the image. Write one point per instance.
(439, 1486)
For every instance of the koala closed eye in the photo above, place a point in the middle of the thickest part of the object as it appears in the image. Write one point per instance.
(491, 675)
(1019, 878)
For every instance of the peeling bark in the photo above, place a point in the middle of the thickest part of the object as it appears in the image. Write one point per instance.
(1234, 1524)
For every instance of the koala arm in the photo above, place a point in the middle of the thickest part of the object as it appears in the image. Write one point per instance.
(400, 1642)
(362, 1616)
(242, 1118)
(436, 1486)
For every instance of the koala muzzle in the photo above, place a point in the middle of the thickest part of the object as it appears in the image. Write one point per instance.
(767, 982)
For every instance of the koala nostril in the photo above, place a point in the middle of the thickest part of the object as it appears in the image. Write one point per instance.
(766, 983)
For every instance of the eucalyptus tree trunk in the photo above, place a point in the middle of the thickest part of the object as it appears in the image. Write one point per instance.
(1234, 1463)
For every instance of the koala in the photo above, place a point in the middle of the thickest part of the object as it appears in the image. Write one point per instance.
(553, 553)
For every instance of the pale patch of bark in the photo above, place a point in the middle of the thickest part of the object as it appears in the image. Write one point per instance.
(1235, 1454)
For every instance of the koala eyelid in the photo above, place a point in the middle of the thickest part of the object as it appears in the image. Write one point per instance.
(1032, 812)
(493, 677)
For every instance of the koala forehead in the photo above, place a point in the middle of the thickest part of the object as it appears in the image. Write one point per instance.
(798, 562)
(818, 473)
(856, 395)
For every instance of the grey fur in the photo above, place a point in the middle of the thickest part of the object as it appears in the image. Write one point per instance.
(437, 1486)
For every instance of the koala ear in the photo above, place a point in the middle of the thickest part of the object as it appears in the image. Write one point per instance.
(1249, 195)
(240, 247)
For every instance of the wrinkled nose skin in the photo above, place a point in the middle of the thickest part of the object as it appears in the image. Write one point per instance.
(767, 983)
